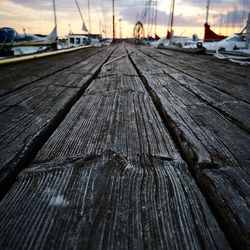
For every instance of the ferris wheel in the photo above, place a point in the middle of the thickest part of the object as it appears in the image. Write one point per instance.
(139, 32)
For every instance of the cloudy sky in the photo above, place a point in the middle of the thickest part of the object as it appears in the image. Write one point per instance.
(36, 16)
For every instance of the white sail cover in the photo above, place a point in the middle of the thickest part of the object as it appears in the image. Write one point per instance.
(84, 28)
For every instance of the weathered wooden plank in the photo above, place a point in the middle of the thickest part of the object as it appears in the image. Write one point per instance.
(120, 119)
(238, 111)
(211, 64)
(234, 84)
(77, 75)
(27, 115)
(125, 122)
(117, 76)
(107, 202)
(21, 74)
(234, 108)
(111, 177)
(216, 148)
(23, 120)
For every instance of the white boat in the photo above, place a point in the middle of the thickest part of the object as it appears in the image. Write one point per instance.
(234, 42)
(237, 42)
(177, 42)
(75, 40)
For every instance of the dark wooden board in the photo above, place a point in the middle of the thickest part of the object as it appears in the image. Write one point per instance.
(125, 122)
(231, 79)
(234, 108)
(215, 147)
(208, 62)
(14, 76)
(110, 176)
(107, 202)
(116, 116)
(28, 115)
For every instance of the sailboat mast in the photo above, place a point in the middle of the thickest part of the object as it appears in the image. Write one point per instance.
(208, 5)
(172, 16)
(100, 28)
(155, 17)
(54, 9)
(113, 8)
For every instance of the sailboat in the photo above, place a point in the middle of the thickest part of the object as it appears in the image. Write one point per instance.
(209, 35)
(237, 41)
(171, 41)
(75, 40)
(13, 43)
(215, 42)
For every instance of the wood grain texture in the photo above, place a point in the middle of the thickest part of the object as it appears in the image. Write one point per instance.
(27, 115)
(229, 77)
(118, 116)
(216, 147)
(17, 75)
(109, 177)
(125, 122)
(107, 202)
(230, 95)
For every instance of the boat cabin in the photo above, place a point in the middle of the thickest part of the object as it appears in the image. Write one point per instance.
(77, 40)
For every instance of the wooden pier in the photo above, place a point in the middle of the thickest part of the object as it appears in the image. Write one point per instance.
(125, 147)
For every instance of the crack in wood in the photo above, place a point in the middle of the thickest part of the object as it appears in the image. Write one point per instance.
(35, 142)
(229, 215)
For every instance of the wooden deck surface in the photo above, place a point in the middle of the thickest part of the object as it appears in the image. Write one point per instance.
(125, 147)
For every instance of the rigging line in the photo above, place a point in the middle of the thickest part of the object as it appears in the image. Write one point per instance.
(104, 14)
(153, 16)
(119, 57)
(244, 12)
(150, 18)
(103, 17)
(143, 14)
(234, 16)
(78, 7)
(147, 15)
(89, 17)
(146, 8)
(97, 10)
(154, 10)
